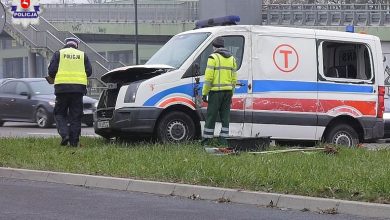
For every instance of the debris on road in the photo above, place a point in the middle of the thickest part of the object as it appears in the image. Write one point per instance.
(289, 150)
(221, 150)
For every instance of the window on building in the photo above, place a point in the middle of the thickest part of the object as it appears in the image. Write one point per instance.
(124, 56)
(13, 67)
(348, 61)
(9, 44)
(41, 66)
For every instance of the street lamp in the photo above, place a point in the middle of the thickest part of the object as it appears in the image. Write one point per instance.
(136, 32)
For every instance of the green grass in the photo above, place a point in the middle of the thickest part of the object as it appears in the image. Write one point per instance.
(352, 174)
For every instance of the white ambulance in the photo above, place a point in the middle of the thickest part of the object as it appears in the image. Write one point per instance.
(294, 84)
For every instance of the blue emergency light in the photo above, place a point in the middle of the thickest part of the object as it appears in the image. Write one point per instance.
(220, 21)
(350, 28)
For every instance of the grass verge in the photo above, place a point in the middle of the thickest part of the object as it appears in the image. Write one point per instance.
(352, 174)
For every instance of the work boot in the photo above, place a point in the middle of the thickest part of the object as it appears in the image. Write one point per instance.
(64, 141)
(74, 144)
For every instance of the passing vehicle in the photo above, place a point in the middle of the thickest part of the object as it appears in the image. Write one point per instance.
(33, 100)
(294, 84)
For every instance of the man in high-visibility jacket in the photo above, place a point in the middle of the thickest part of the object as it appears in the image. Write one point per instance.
(69, 67)
(219, 83)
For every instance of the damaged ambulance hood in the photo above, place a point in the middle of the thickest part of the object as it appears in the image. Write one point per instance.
(134, 73)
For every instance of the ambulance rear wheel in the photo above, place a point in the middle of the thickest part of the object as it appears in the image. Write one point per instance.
(342, 134)
(175, 127)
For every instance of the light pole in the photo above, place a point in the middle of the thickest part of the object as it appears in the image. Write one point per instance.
(136, 32)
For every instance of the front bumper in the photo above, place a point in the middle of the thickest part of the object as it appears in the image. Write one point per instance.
(126, 122)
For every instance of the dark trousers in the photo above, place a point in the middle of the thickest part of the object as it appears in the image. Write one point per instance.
(218, 104)
(68, 111)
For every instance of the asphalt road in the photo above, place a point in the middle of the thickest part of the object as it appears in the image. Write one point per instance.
(16, 129)
(21, 199)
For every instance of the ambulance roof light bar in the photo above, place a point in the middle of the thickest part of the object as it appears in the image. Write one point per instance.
(350, 28)
(220, 21)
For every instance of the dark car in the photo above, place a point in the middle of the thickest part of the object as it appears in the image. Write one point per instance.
(32, 100)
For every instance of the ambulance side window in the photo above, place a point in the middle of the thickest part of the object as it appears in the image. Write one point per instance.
(235, 44)
(343, 61)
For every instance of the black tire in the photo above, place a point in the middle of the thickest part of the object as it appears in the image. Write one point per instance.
(42, 118)
(342, 134)
(175, 126)
(89, 124)
(1, 123)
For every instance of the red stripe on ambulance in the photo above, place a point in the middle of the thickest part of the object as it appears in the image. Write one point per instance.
(177, 100)
(332, 107)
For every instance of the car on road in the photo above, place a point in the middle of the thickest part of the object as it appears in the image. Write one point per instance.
(4, 80)
(33, 100)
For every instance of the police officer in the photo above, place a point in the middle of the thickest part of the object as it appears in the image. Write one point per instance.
(69, 67)
(219, 84)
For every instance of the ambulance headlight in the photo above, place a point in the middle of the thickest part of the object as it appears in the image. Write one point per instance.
(131, 92)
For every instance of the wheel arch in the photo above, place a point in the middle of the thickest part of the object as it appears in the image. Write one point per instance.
(345, 119)
(182, 108)
(42, 105)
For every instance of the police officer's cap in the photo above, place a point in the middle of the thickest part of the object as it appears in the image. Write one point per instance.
(72, 41)
(218, 42)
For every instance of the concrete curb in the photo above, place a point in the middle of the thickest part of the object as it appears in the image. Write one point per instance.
(203, 192)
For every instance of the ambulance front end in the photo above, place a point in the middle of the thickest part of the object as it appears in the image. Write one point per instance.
(137, 95)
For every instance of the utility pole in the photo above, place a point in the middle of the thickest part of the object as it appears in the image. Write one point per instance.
(136, 32)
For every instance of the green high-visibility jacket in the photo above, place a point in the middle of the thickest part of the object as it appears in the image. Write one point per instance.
(220, 74)
(71, 68)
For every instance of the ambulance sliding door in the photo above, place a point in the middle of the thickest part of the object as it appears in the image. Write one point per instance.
(284, 87)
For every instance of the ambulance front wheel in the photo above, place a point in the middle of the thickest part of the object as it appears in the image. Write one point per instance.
(342, 134)
(175, 126)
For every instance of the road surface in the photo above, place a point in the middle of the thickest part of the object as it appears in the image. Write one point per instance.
(22, 199)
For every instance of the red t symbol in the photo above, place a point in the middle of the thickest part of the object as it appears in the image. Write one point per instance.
(285, 53)
(25, 3)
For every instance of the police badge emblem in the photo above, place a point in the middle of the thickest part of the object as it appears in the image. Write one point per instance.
(25, 12)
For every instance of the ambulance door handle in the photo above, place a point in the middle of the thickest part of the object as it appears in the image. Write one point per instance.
(249, 86)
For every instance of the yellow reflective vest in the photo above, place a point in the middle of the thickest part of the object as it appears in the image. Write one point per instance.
(71, 68)
(220, 74)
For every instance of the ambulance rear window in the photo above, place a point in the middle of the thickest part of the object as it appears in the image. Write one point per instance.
(343, 60)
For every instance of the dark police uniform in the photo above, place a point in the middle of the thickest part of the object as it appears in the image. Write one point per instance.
(69, 68)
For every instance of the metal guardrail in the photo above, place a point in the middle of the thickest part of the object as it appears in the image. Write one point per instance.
(326, 14)
(155, 12)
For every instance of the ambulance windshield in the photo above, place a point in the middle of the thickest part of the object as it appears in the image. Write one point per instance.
(178, 49)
